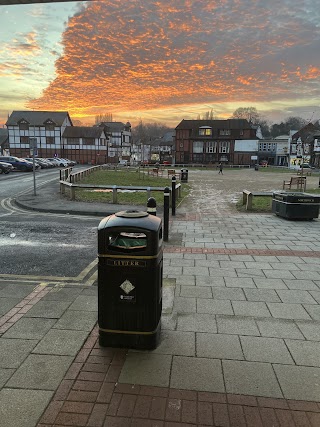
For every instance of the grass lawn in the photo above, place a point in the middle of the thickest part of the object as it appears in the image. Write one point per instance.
(126, 177)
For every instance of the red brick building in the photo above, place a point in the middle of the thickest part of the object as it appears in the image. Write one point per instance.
(212, 141)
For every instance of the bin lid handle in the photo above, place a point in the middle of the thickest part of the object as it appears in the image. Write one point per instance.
(131, 214)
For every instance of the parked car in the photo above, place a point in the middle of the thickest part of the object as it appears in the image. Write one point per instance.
(41, 163)
(36, 163)
(18, 164)
(47, 162)
(5, 167)
(59, 162)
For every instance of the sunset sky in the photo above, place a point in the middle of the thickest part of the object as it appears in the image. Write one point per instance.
(161, 60)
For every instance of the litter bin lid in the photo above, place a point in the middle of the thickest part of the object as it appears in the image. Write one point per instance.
(131, 214)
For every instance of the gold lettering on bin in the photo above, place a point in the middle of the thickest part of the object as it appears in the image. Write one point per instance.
(126, 263)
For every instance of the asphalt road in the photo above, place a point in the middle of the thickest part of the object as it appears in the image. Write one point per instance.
(44, 246)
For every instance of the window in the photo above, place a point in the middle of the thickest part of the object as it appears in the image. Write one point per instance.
(24, 140)
(74, 141)
(224, 147)
(225, 132)
(88, 141)
(198, 147)
(102, 141)
(50, 140)
(23, 126)
(211, 147)
(267, 146)
(49, 126)
(205, 131)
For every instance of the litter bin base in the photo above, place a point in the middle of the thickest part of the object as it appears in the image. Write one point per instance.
(137, 340)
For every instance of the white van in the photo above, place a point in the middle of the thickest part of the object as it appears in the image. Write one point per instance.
(123, 163)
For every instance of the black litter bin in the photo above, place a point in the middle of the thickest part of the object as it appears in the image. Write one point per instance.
(184, 175)
(130, 246)
(295, 205)
(256, 167)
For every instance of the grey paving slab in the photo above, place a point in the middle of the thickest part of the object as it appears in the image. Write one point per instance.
(78, 320)
(263, 283)
(313, 310)
(197, 323)
(261, 349)
(250, 273)
(263, 295)
(205, 263)
(197, 374)
(238, 325)
(279, 328)
(48, 309)
(14, 290)
(63, 293)
(309, 275)
(241, 258)
(22, 408)
(214, 306)
(177, 342)
(6, 304)
(250, 308)
(299, 382)
(304, 285)
(310, 330)
(287, 311)
(146, 369)
(254, 265)
(228, 293)
(85, 303)
(40, 372)
(61, 342)
(196, 291)
(5, 374)
(14, 351)
(29, 328)
(250, 378)
(240, 282)
(222, 272)
(289, 266)
(232, 264)
(309, 267)
(196, 271)
(280, 274)
(315, 295)
(296, 296)
(185, 305)
(305, 353)
(186, 280)
(219, 346)
(210, 281)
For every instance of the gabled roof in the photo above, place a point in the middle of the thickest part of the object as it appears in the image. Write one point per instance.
(38, 118)
(308, 130)
(114, 126)
(83, 132)
(216, 124)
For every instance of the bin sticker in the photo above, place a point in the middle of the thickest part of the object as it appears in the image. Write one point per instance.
(127, 288)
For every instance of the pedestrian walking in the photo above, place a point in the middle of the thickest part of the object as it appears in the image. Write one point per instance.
(220, 168)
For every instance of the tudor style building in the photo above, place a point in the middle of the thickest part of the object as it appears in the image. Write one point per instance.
(212, 141)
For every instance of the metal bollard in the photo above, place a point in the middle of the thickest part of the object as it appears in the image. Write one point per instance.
(152, 206)
(173, 196)
(166, 208)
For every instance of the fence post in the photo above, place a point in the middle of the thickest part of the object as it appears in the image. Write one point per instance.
(152, 206)
(166, 207)
(73, 193)
(114, 194)
(173, 196)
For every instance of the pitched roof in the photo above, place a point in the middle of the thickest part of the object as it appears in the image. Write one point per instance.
(216, 124)
(37, 118)
(113, 126)
(305, 132)
(83, 132)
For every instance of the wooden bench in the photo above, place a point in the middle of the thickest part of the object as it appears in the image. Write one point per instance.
(296, 182)
(305, 172)
(172, 172)
(247, 197)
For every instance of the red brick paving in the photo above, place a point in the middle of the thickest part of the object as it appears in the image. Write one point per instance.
(92, 398)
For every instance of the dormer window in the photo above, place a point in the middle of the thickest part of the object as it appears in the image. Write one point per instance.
(23, 125)
(49, 125)
(205, 131)
(225, 132)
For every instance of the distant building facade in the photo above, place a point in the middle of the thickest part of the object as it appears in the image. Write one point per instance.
(119, 141)
(214, 141)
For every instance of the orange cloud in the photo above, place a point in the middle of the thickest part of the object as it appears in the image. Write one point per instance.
(153, 54)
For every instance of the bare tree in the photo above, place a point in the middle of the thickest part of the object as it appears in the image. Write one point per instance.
(105, 117)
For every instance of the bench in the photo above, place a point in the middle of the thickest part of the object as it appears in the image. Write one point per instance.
(247, 197)
(172, 172)
(296, 182)
(305, 172)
